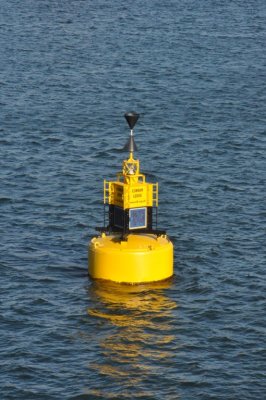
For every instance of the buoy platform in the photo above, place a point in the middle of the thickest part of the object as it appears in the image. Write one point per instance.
(138, 258)
(129, 249)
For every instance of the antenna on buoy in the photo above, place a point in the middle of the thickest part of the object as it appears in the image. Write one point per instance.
(131, 118)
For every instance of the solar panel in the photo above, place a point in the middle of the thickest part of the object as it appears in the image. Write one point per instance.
(138, 218)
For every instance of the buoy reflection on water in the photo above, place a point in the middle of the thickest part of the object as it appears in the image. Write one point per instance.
(136, 335)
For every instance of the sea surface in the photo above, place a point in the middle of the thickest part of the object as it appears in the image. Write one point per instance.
(196, 73)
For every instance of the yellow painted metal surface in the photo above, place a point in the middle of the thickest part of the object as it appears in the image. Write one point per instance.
(131, 195)
(131, 189)
(141, 258)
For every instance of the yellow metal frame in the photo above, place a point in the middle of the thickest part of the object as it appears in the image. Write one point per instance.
(131, 190)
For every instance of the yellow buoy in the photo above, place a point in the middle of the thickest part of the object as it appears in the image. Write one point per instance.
(130, 250)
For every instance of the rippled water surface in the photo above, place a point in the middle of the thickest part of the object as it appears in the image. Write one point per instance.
(196, 72)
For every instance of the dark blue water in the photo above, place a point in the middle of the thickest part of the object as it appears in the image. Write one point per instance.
(196, 72)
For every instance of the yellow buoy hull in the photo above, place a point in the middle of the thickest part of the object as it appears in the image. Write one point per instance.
(138, 259)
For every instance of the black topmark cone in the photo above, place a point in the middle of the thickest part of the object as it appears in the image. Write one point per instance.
(131, 118)
(130, 145)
